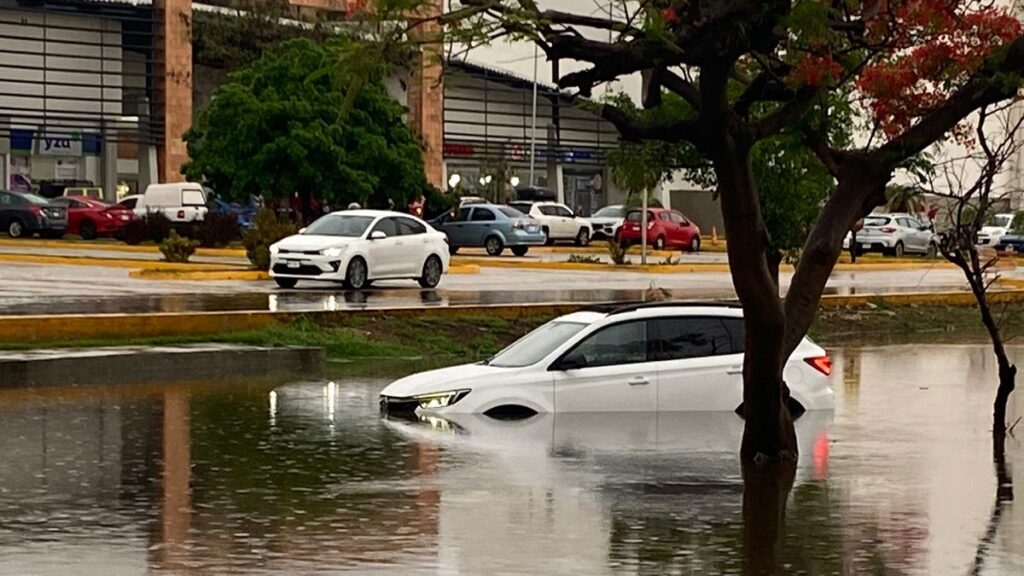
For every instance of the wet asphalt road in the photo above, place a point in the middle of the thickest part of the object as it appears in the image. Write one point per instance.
(68, 289)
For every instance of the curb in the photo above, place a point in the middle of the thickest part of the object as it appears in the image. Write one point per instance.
(684, 267)
(71, 327)
(108, 262)
(119, 247)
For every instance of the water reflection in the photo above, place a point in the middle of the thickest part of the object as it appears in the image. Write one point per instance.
(265, 477)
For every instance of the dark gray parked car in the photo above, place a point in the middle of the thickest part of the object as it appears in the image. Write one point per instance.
(491, 226)
(23, 214)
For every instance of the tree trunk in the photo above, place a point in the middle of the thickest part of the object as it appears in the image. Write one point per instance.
(1007, 371)
(768, 432)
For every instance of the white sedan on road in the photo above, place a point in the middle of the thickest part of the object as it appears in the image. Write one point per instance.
(357, 247)
(668, 357)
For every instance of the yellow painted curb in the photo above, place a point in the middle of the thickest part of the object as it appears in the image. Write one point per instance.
(106, 262)
(113, 247)
(684, 268)
(463, 269)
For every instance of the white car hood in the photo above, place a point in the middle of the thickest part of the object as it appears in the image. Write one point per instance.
(302, 242)
(444, 379)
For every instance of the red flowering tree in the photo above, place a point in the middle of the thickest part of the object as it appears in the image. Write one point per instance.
(906, 73)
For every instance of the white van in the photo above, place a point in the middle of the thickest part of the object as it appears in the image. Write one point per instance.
(179, 201)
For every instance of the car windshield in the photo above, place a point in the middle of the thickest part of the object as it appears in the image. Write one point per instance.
(876, 221)
(635, 216)
(340, 225)
(34, 199)
(533, 347)
(609, 212)
(1002, 220)
(511, 212)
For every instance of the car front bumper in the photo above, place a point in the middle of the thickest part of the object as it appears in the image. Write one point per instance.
(308, 266)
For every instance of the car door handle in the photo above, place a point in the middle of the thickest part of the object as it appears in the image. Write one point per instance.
(733, 370)
(639, 381)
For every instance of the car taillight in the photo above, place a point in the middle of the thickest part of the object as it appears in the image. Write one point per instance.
(181, 214)
(888, 230)
(519, 224)
(822, 364)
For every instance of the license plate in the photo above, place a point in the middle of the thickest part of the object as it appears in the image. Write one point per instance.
(865, 245)
(293, 264)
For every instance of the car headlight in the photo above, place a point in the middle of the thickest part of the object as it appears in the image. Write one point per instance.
(274, 249)
(332, 252)
(440, 399)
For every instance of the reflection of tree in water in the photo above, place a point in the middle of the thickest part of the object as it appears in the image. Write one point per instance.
(1004, 498)
(814, 530)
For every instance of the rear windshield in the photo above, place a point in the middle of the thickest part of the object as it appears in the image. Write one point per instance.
(635, 216)
(192, 198)
(340, 225)
(877, 221)
(511, 212)
(34, 199)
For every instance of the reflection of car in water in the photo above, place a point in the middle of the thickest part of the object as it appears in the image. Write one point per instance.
(665, 357)
(589, 489)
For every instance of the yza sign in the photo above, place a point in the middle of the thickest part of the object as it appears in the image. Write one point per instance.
(59, 145)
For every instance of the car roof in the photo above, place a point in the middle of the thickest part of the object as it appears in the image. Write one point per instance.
(647, 310)
(371, 213)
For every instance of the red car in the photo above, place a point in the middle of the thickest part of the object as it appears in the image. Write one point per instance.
(89, 217)
(665, 229)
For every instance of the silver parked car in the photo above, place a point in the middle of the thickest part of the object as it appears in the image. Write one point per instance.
(894, 235)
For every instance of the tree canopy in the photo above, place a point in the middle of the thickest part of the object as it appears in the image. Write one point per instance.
(309, 118)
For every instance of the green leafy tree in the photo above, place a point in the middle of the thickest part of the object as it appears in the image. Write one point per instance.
(312, 119)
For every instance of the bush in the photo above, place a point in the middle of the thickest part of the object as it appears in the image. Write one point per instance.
(154, 226)
(178, 249)
(217, 230)
(617, 252)
(578, 259)
(267, 228)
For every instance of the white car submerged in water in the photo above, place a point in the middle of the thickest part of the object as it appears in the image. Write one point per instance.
(645, 358)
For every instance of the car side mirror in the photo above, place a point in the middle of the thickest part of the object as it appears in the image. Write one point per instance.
(302, 230)
(378, 235)
(571, 363)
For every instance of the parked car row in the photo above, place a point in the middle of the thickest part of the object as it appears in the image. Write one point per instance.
(894, 234)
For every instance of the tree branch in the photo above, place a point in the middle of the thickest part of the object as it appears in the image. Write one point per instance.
(634, 129)
(787, 114)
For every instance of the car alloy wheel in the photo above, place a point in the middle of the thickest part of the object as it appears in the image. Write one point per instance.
(695, 244)
(493, 246)
(16, 229)
(432, 270)
(898, 250)
(355, 276)
(659, 243)
(583, 237)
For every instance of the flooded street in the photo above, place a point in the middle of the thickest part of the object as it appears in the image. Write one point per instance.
(297, 478)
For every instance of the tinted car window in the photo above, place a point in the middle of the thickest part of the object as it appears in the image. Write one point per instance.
(387, 226)
(609, 212)
(563, 212)
(689, 337)
(635, 215)
(129, 203)
(511, 212)
(549, 210)
(665, 216)
(192, 198)
(523, 207)
(624, 343)
(462, 215)
(410, 227)
(482, 215)
(678, 218)
(876, 221)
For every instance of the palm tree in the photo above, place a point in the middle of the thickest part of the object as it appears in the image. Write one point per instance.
(904, 199)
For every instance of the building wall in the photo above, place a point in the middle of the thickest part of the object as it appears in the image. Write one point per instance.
(701, 207)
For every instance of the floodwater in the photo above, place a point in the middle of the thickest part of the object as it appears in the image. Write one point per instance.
(302, 478)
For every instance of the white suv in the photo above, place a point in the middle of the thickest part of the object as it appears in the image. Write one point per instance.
(991, 233)
(557, 221)
(666, 357)
(894, 235)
